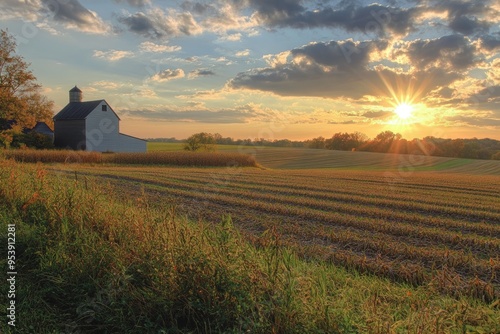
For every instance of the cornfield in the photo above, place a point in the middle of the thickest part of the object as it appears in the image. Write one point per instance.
(151, 158)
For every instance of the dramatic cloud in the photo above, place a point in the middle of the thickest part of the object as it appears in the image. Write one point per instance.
(156, 24)
(454, 52)
(374, 18)
(345, 54)
(72, 14)
(467, 26)
(465, 17)
(490, 42)
(323, 70)
(167, 75)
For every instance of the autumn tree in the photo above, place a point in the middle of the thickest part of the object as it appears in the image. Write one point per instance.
(20, 97)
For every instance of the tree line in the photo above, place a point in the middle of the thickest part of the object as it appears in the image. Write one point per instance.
(384, 142)
(390, 142)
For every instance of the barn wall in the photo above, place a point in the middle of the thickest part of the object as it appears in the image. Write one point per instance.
(131, 144)
(70, 134)
(102, 130)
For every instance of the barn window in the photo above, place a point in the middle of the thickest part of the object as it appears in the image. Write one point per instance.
(104, 107)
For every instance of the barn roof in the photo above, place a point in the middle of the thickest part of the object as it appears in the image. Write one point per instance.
(78, 110)
(43, 128)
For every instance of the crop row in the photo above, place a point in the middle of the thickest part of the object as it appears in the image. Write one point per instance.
(459, 219)
(431, 253)
(402, 239)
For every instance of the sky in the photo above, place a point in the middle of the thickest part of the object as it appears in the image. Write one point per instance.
(270, 69)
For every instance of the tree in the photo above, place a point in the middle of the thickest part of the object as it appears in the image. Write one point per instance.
(20, 98)
(384, 141)
(318, 142)
(201, 142)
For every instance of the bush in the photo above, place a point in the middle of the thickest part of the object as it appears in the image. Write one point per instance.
(32, 140)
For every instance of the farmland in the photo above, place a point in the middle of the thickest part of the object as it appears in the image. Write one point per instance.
(418, 228)
(342, 242)
(303, 158)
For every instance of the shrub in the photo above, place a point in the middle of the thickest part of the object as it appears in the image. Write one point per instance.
(32, 140)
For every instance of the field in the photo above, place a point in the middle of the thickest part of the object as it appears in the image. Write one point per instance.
(421, 228)
(323, 241)
(303, 158)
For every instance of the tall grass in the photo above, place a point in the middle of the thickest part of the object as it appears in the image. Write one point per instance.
(90, 263)
(151, 158)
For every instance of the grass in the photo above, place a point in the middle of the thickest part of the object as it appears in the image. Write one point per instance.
(90, 262)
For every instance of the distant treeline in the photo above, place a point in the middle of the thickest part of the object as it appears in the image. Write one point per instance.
(384, 142)
(389, 142)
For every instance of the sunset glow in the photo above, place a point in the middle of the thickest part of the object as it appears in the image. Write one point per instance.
(403, 111)
(275, 69)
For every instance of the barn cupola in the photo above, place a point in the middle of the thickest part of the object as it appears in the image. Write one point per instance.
(75, 95)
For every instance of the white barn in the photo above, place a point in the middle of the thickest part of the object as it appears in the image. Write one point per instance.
(92, 126)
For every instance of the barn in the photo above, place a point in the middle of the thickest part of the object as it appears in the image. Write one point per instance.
(92, 126)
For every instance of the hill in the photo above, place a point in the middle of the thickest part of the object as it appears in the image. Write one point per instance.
(303, 158)
(306, 158)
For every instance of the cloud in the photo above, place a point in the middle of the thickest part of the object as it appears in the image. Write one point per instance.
(242, 53)
(377, 114)
(373, 18)
(222, 17)
(200, 73)
(156, 24)
(231, 37)
(108, 85)
(486, 94)
(135, 3)
(113, 55)
(320, 69)
(73, 15)
(240, 114)
(453, 52)
(342, 122)
(158, 48)
(14, 9)
(468, 26)
(167, 75)
(344, 54)
(465, 17)
(476, 121)
(490, 42)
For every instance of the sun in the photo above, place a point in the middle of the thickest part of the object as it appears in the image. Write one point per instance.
(403, 110)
